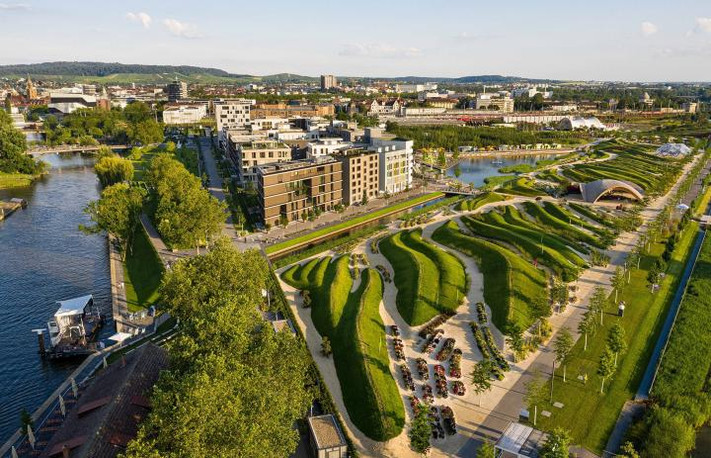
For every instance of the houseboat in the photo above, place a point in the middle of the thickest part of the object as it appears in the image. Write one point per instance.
(73, 329)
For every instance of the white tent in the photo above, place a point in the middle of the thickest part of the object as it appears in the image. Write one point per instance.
(73, 306)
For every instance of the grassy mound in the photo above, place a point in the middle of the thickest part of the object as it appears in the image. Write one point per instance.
(530, 247)
(515, 218)
(429, 280)
(352, 322)
(563, 228)
(513, 288)
(479, 201)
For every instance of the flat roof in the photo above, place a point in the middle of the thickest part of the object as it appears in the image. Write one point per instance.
(521, 440)
(295, 165)
(326, 431)
(73, 306)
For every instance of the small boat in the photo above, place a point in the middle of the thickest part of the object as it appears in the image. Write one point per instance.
(497, 162)
(73, 329)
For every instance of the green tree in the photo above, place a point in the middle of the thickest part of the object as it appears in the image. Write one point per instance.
(562, 346)
(618, 281)
(535, 394)
(326, 347)
(669, 435)
(113, 169)
(556, 444)
(13, 147)
(228, 368)
(587, 325)
(616, 340)
(606, 367)
(185, 213)
(146, 132)
(481, 378)
(516, 341)
(486, 450)
(117, 212)
(597, 302)
(628, 451)
(420, 430)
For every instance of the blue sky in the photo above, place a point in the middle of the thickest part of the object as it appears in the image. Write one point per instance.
(630, 40)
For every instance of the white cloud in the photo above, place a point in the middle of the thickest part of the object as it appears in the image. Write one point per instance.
(379, 50)
(703, 23)
(141, 17)
(14, 6)
(649, 28)
(181, 29)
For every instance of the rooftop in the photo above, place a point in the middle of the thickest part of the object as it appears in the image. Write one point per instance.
(326, 431)
(521, 440)
(295, 165)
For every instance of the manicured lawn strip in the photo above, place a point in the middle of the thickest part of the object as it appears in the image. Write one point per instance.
(298, 274)
(566, 215)
(589, 415)
(550, 175)
(520, 187)
(514, 289)
(562, 227)
(530, 248)
(142, 272)
(588, 212)
(352, 323)
(682, 376)
(452, 276)
(375, 406)
(479, 201)
(352, 222)
(416, 278)
(555, 241)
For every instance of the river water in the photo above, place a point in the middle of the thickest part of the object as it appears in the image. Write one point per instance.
(45, 258)
(475, 170)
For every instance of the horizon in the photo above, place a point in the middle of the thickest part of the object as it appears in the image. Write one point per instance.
(542, 41)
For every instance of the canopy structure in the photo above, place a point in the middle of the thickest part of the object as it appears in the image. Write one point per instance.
(519, 441)
(73, 306)
(120, 336)
(593, 191)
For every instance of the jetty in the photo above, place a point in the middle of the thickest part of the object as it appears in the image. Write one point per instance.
(7, 208)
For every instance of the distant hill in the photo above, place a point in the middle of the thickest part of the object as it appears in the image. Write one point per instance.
(118, 73)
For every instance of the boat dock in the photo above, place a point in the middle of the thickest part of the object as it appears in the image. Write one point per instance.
(8, 208)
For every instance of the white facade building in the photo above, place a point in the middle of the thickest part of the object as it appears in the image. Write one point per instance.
(416, 87)
(326, 147)
(395, 164)
(231, 115)
(184, 114)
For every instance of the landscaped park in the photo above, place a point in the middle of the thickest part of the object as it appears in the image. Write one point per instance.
(512, 283)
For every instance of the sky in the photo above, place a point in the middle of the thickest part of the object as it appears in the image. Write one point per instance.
(613, 40)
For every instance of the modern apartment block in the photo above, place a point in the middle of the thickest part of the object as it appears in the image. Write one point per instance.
(284, 110)
(326, 147)
(361, 175)
(328, 82)
(248, 155)
(290, 190)
(494, 101)
(396, 158)
(184, 113)
(231, 115)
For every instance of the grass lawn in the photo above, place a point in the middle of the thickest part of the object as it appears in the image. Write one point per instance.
(551, 239)
(352, 322)
(14, 180)
(479, 201)
(142, 272)
(520, 187)
(564, 228)
(493, 226)
(352, 222)
(514, 289)
(589, 415)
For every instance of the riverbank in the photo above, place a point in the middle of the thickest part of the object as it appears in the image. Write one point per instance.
(509, 153)
(16, 180)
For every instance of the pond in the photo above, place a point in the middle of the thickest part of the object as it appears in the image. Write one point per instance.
(475, 170)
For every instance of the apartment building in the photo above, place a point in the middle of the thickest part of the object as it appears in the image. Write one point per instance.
(231, 115)
(328, 82)
(396, 157)
(361, 175)
(177, 90)
(326, 147)
(289, 190)
(247, 154)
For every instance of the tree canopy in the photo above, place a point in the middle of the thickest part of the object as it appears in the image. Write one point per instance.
(185, 213)
(113, 169)
(13, 147)
(117, 212)
(235, 387)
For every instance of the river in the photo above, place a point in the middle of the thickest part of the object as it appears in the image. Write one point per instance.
(475, 170)
(45, 258)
